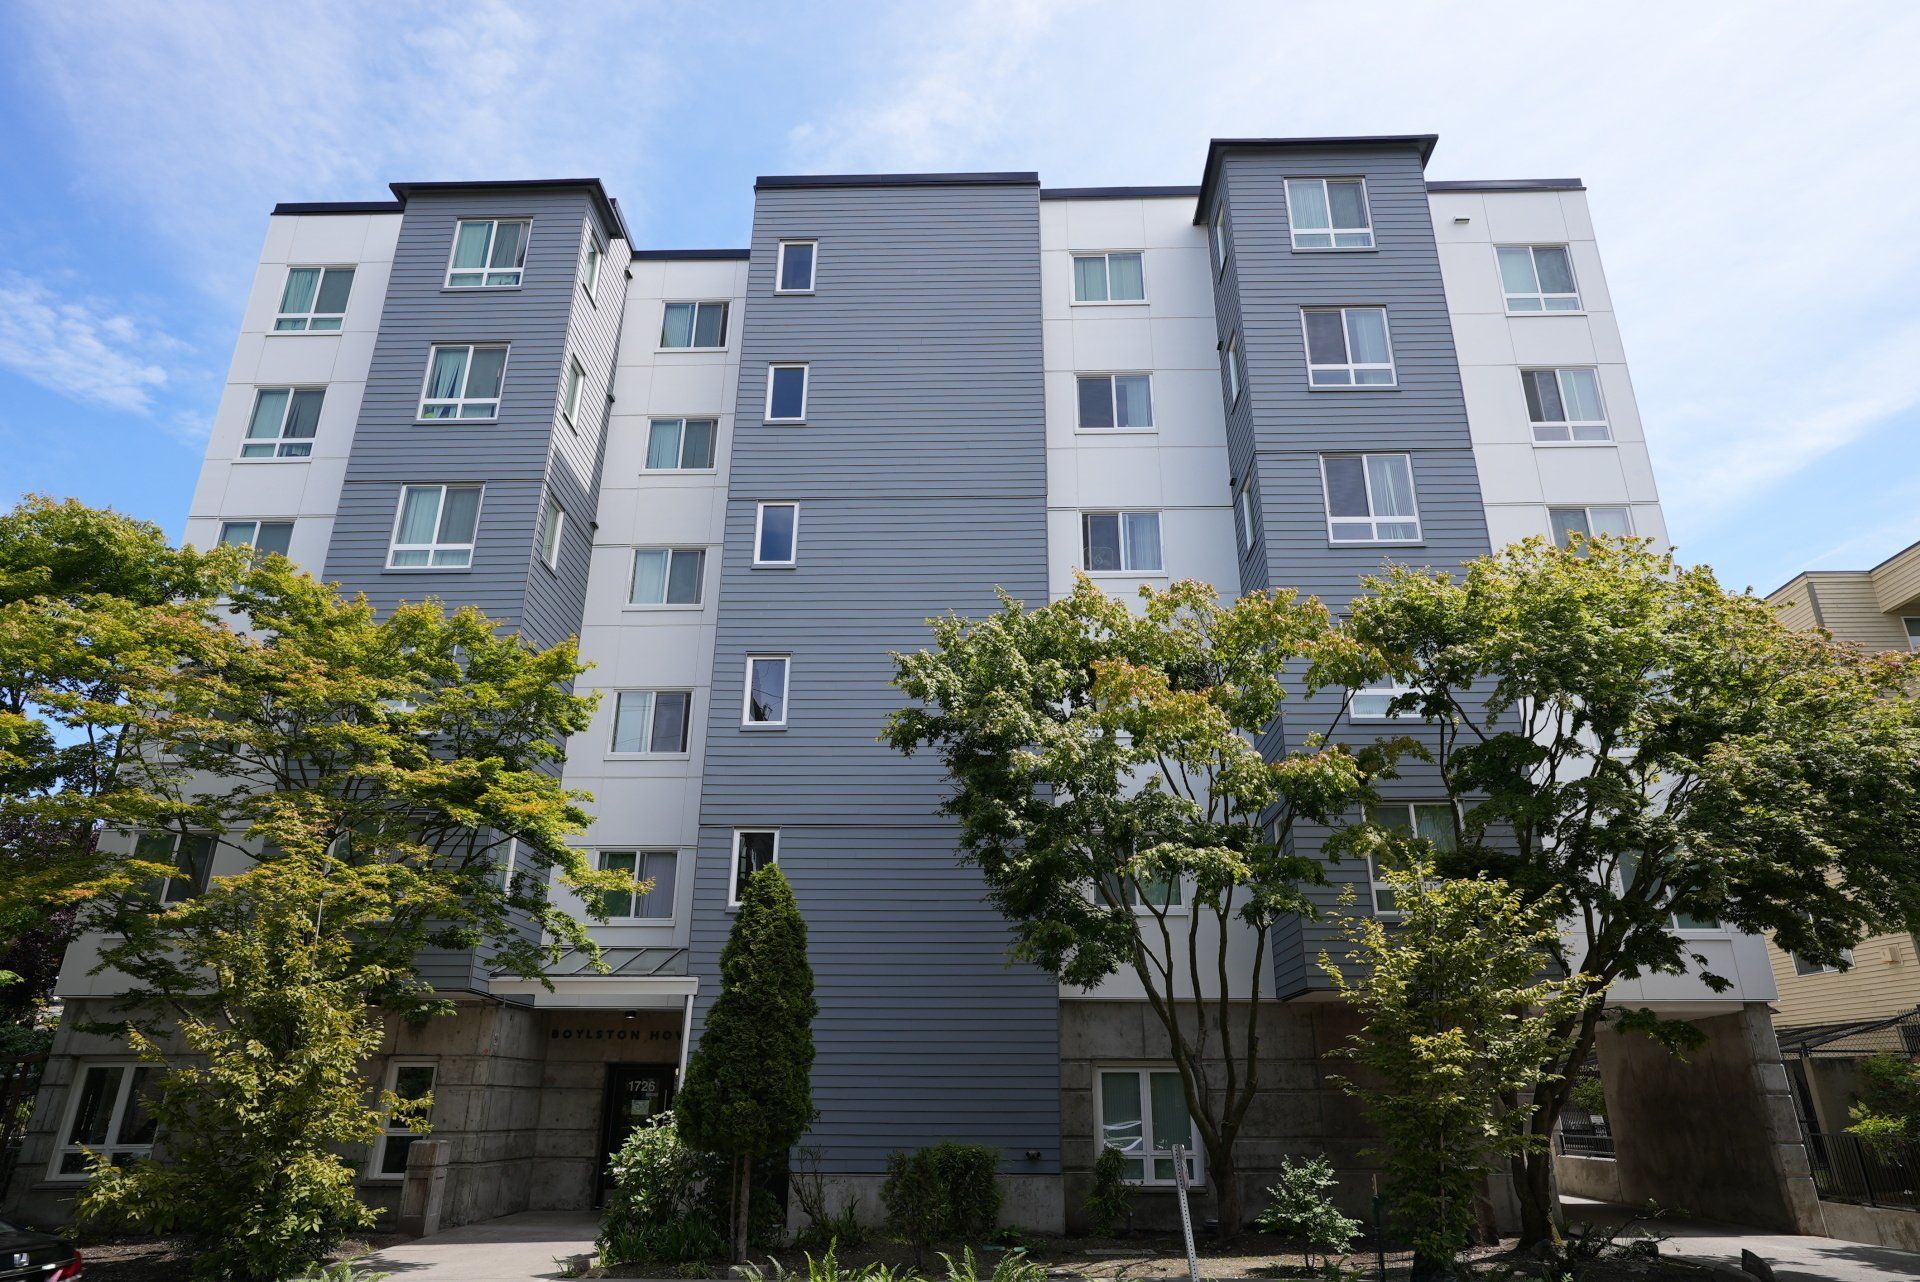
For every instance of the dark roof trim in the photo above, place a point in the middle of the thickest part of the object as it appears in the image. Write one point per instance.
(741, 254)
(1013, 178)
(609, 212)
(337, 207)
(1218, 147)
(1114, 193)
(1508, 184)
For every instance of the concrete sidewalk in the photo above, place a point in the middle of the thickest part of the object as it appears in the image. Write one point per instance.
(513, 1248)
(1794, 1258)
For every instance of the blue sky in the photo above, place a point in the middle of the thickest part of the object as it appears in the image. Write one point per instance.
(1754, 174)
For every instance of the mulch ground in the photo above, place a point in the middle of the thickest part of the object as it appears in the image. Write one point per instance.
(160, 1260)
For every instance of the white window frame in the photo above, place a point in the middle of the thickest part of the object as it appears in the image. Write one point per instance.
(591, 258)
(253, 541)
(507, 860)
(780, 267)
(116, 1117)
(484, 271)
(1218, 225)
(733, 869)
(1330, 231)
(570, 391)
(307, 319)
(641, 854)
(1586, 511)
(617, 753)
(1571, 426)
(1912, 624)
(1197, 1161)
(1106, 268)
(1236, 383)
(440, 514)
(1113, 402)
(680, 455)
(1352, 367)
(1539, 294)
(700, 597)
(1126, 570)
(693, 334)
(377, 1158)
(164, 896)
(1391, 692)
(806, 389)
(1243, 508)
(1806, 970)
(553, 528)
(786, 691)
(759, 524)
(283, 445)
(1372, 519)
(1375, 882)
(460, 402)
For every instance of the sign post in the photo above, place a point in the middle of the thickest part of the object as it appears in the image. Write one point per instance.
(1186, 1216)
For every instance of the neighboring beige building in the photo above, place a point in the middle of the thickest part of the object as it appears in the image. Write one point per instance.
(1880, 610)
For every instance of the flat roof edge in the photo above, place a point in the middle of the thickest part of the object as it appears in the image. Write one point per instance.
(337, 207)
(1115, 193)
(1011, 178)
(609, 211)
(1507, 184)
(1217, 147)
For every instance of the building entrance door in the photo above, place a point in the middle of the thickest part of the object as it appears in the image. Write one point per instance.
(635, 1092)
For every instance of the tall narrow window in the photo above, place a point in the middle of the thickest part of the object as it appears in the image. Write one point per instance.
(314, 300)
(1538, 278)
(680, 444)
(766, 698)
(651, 721)
(795, 270)
(1108, 278)
(1220, 237)
(284, 422)
(488, 253)
(1431, 820)
(1348, 347)
(776, 526)
(1913, 632)
(1587, 522)
(1236, 377)
(264, 537)
(570, 393)
(553, 523)
(1370, 498)
(435, 527)
(589, 261)
(786, 393)
(658, 869)
(667, 576)
(697, 326)
(753, 849)
(1143, 1113)
(1329, 213)
(1564, 405)
(463, 381)
(110, 1113)
(1115, 400)
(411, 1084)
(190, 855)
(1243, 514)
(1120, 542)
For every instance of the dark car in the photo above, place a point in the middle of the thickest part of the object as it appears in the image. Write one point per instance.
(36, 1257)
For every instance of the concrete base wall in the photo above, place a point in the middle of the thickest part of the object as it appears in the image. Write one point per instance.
(1714, 1134)
(1590, 1177)
(1029, 1202)
(1880, 1225)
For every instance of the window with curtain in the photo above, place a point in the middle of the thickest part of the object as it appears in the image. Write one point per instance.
(775, 528)
(659, 867)
(651, 721)
(696, 326)
(283, 422)
(753, 849)
(1348, 347)
(1370, 498)
(264, 537)
(766, 699)
(436, 527)
(794, 273)
(314, 300)
(1564, 404)
(1587, 522)
(488, 253)
(463, 381)
(680, 444)
(1109, 278)
(667, 576)
(1120, 542)
(1329, 213)
(1115, 401)
(1538, 278)
(1143, 1113)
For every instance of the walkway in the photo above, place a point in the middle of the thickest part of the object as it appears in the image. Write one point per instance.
(514, 1248)
(1794, 1258)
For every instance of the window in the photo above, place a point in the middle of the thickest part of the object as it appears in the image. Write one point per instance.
(766, 701)
(111, 1112)
(190, 854)
(264, 537)
(1143, 1113)
(651, 721)
(1108, 278)
(774, 534)
(553, 523)
(667, 576)
(680, 444)
(1116, 401)
(1146, 893)
(463, 381)
(1120, 542)
(1370, 498)
(1628, 873)
(1588, 522)
(570, 394)
(314, 300)
(1220, 237)
(1329, 213)
(1243, 516)
(1374, 703)
(752, 851)
(1913, 632)
(412, 1084)
(795, 270)
(1564, 404)
(786, 393)
(1236, 376)
(1538, 278)
(283, 423)
(657, 866)
(1348, 347)
(1431, 820)
(1801, 966)
(435, 527)
(488, 253)
(509, 854)
(589, 261)
(696, 326)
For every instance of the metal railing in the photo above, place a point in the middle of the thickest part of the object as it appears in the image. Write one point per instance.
(1847, 1168)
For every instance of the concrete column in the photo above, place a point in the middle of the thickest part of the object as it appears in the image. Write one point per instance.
(424, 1194)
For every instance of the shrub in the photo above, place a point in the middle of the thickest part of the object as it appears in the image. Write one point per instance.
(942, 1192)
(826, 1267)
(1108, 1201)
(668, 1203)
(828, 1230)
(1013, 1266)
(1298, 1207)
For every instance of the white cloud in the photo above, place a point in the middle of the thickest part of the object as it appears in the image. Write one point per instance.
(78, 349)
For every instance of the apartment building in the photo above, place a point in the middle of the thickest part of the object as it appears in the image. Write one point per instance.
(744, 476)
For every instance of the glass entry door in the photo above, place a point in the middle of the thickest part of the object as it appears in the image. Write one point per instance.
(635, 1092)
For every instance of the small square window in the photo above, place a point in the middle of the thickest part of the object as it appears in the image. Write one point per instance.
(786, 393)
(1564, 405)
(463, 381)
(667, 576)
(1370, 498)
(753, 849)
(1120, 542)
(1538, 278)
(694, 326)
(766, 691)
(266, 538)
(1109, 278)
(1348, 347)
(314, 300)
(680, 444)
(659, 867)
(553, 523)
(651, 721)
(488, 253)
(776, 529)
(1329, 213)
(1588, 522)
(435, 527)
(1115, 401)
(283, 423)
(795, 269)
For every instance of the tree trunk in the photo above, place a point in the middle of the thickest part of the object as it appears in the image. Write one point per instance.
(742, 1209)
(1226, 1194)
(1533, 1184)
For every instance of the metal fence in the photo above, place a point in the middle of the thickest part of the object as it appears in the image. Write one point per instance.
(19, 1083)
(1847, 1168)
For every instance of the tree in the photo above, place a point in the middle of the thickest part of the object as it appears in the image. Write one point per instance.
(1628, 744)
(1456, 1023)
(31, 950)
(749, 1087)
(1888, 1110)
(1103, 761)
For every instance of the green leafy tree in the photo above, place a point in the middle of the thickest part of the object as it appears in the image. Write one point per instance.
(749, 1087)
(1888, 1108)
(1300, 1206)
(1456, 1023)
(1103, 761)
(1109, 1201)
(1629, 745)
